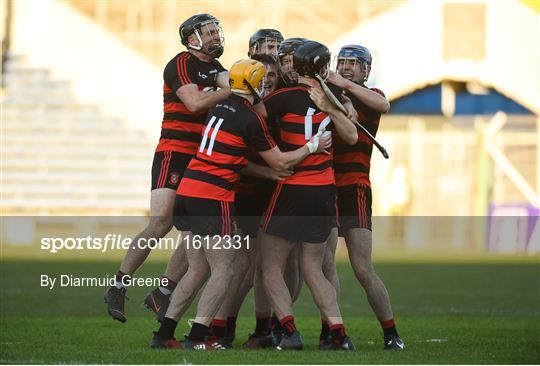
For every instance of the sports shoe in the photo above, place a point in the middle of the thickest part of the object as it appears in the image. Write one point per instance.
(393, 342)
(325, 342)
(277, 335)
(255, 341)
(115, 299)
(209, 344)
(346, 345)
(294, 341)
(227, 341)
(161, 342)
(158, 303)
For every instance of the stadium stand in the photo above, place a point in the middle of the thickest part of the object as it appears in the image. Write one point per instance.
(61, 157)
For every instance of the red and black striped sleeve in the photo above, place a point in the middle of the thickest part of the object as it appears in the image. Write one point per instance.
(275, 103)
(257, 133)
(176, 72)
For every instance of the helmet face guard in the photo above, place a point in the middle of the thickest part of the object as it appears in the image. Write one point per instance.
(267, 46)
(209, 28)
(265, 41)
(355, 54)
(203, 26)
(287, 47)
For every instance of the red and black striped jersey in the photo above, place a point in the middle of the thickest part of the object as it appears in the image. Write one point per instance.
(298, 120)
(246, 183)
(231, 127)
(352, 162)
(181, 129)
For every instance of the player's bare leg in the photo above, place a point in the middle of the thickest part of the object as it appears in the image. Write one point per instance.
(293, 280)
(230, 306)
(221, 263)
(183, 295)
(158, 300)
(262, 337)
(161, 211)
(329, 270)
(292, 276)
(190, 284)
(324, 294)
(359, 244)
(274, 254)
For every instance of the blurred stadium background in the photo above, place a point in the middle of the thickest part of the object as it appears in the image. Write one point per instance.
(82, 107)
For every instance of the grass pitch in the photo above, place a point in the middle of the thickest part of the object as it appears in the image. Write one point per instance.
(447, 313)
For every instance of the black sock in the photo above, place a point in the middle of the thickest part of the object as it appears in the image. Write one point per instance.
(219, 328)
(392, 331)
(231, 326)
(167, 328)
(263, 326)
(337, 331)
(198, 332)
(325, 330)
(276, 325)
(389, 328)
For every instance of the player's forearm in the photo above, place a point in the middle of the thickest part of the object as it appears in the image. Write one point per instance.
(255, 170)
(370, 98)
(206, 100)
(344, 127)
(290, 159)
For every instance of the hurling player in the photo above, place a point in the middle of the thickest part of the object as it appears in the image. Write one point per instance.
(190, 82)
(352, 165)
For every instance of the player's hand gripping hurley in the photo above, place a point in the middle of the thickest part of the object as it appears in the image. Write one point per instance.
(338, 104)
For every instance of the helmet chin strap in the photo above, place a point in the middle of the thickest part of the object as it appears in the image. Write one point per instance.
(366, 70)
(256, 95)
(213, 51)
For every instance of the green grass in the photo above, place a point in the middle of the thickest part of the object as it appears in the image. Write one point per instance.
(447, 313)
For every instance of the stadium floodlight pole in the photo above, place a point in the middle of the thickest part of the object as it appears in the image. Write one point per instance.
(338, 104)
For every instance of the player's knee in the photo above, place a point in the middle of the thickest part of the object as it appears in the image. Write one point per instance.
(364, 271)
(268, 267)
(311, 275)
(160, 226)
(243, 264)
(199, 272)
(224, 272)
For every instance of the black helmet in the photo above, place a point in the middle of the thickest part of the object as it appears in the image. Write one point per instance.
(288, 46)
(311, 58)
(262, 34)
(193, 25)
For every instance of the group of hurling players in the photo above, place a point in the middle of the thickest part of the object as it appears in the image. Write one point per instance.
(261, 172)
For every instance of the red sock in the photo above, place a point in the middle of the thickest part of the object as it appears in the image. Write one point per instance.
(337, 331)
(288, 325)
(122, 278)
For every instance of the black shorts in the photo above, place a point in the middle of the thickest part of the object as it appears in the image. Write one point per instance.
(251, 207)
(354, 207)
(203, 216)
(168, 168)
(301, 213)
